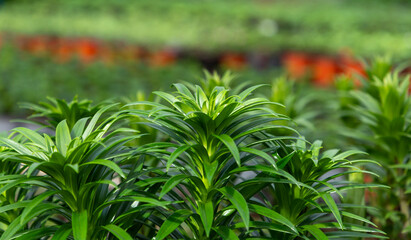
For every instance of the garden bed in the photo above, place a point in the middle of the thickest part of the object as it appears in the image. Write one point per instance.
(320, 26)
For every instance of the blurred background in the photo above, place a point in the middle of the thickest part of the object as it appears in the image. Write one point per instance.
(105, 49)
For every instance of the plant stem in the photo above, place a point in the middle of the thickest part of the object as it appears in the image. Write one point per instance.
(405, 209)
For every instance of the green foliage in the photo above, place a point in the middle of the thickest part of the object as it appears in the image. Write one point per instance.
(224, 165)
(218, 172)
(313, 203)
(382, 108)
(148, 134)
(212, 80)
(77, 175)
(15, 198)
(208, 130)
(302, 105)
(57, 110)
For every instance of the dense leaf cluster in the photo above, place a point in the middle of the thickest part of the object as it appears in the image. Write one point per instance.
(381, 113)
(217, 170)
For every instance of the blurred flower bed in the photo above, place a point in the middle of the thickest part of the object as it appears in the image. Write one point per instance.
(28, 77)
(108, 48)
(105, 48)
(97, 69)
(366, 27)
(31, 74)
(87, 50)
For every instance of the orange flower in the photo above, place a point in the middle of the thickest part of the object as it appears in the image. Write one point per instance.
(369, 194)
(324, 71)
(234, 61)
(87, 50)
(367, 178)
(352, 69)
(162, 58)
(37, 45)
(296, 64)
(64, 50)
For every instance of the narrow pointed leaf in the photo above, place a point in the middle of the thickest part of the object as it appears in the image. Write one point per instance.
(239, 203)
(112, 165)
(206, 211)
(273, 215)
(230, 144)
(117, 231)
(36, 201)
(316, 232)
(63, 137)
(20, 148)
(63, 232)
(226, 233)
(31, 135)
(78, 128)
(94, 120)
(171, 183)
(261, 154)
(172, 222)
(328, 199)
(283, 161)
(175, 154)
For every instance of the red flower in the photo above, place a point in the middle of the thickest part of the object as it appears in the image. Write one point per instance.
(162, 58)
(369, 195)
(352, 69)
(324, 71)
(296, 64)
(36, 45)
(64, 50)
(87, 50)
(233, 61)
